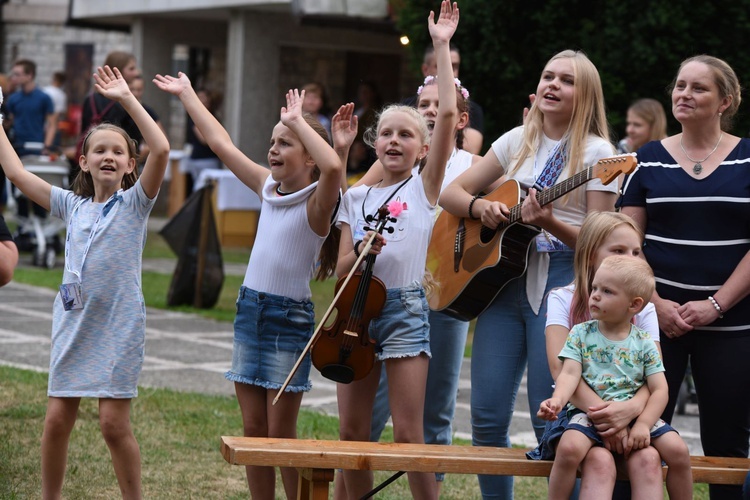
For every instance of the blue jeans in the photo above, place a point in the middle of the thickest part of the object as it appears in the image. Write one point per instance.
(447, 342)
(508, 336)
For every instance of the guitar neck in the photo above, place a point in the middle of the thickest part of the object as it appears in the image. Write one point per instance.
(552, 193)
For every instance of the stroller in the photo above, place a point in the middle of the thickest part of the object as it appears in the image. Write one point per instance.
(38, 232)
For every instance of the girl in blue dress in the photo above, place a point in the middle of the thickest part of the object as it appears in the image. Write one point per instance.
(99, 316)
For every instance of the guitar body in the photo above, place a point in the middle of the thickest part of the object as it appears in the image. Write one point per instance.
(472, 263)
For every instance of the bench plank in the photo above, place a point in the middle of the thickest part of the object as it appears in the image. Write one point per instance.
(324, 454)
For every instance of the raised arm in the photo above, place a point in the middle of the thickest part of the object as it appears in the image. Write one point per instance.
(441, 145)
(36, 189)
(343, 131)
(110, 83)
(250, 173)
(326, 195)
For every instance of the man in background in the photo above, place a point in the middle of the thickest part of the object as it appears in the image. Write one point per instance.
(31, 111)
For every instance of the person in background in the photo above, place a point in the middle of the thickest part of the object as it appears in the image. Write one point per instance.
(690, 195)
(98, 109)
(31, 111)
(316, 103)
(646, 122)
(137, 86)
(474, 133)
(60, 101)
(202, 156)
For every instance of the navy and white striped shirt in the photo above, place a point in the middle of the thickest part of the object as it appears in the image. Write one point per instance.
(697, 230)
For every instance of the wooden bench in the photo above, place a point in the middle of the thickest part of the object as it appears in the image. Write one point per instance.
(317, 460)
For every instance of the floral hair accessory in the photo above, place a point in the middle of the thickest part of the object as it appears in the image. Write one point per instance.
(395, 207)
(430, 80)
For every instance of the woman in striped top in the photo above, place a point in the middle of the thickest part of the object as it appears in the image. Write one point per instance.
(690, 195)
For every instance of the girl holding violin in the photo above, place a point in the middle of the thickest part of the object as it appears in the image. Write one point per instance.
(400, 332)
(275, 317)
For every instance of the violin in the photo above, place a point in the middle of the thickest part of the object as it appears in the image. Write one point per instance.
(345, 352)
(348, 353)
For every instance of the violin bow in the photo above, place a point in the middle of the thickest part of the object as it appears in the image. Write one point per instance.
(315, 335)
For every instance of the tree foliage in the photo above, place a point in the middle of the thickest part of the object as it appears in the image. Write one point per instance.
(637, 45)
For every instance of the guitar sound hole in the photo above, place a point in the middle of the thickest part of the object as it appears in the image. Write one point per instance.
(486, 234)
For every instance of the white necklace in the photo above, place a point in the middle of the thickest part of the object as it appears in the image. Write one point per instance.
(698, 167)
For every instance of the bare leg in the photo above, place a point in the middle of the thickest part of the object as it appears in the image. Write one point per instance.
(572, 449)
(252, 400)
(355, 412)
(645, 464)
(58, 424)
(598, 474)
(114, 422)
(407, 378)
(675, 453)
(282, 423)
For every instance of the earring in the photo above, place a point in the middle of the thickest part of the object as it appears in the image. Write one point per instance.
(719, 114)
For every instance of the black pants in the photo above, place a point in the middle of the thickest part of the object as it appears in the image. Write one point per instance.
(720, 364)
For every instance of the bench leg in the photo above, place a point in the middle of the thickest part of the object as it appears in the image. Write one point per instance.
(313, 483)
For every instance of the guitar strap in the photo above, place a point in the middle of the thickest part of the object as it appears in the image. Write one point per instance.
(553, 167)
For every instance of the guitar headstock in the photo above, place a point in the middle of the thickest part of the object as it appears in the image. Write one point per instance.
(608, 169)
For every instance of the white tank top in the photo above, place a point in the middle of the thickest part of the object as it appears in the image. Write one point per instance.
(286, 248)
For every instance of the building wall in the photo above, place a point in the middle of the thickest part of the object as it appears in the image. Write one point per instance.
(45, 45)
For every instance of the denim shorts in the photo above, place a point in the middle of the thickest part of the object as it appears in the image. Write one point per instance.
(270, 333)
(402, 329)
(578, 420)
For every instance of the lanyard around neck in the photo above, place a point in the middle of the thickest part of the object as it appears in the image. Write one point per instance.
(102, 213)
(365, 217)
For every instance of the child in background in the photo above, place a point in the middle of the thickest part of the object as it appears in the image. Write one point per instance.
(99, 317)
(401, 331)
(275, 317)
(615, 358)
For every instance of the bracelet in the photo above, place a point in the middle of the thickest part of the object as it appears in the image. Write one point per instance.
(716, 306)
(471, 205)
(356, 248)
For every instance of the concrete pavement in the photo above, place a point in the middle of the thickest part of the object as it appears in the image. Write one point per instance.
(186, 352)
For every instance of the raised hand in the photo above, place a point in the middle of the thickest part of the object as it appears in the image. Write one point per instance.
(344, 126)
(293, 109)
(175, 86)
(445, 27)
(110, 83)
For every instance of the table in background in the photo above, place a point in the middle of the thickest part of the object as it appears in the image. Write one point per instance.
(236, 207)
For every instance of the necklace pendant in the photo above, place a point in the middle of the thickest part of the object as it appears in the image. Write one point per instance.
(697, 169)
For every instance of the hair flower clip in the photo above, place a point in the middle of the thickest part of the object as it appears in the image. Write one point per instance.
(395, 207)
(430, 80)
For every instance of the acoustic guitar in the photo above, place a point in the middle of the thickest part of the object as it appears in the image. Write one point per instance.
(471, 263)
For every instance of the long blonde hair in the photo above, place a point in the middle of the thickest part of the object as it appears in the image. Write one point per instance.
(587, 118)
(596, 227)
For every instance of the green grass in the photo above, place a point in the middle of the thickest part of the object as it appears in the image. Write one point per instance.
(178, 435)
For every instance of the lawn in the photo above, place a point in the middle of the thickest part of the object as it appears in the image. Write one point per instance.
(178, 435)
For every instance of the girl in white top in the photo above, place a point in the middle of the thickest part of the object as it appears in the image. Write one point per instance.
(275, 318)
(99, 317)
(602, 234)
(566, 121)
(401, 330)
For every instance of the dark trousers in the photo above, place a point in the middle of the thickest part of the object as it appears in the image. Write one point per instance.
(720, 365)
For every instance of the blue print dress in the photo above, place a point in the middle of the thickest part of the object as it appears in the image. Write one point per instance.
(98, 351)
